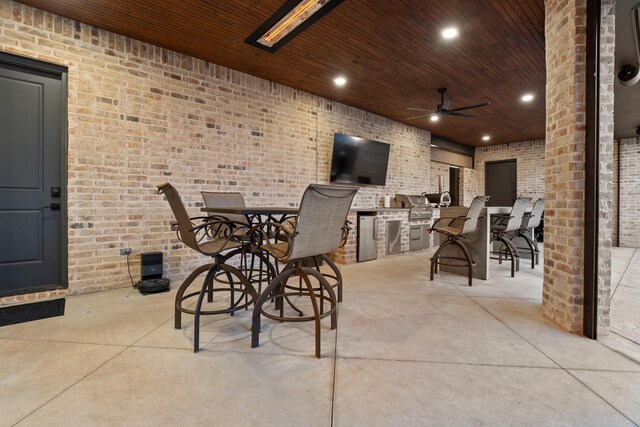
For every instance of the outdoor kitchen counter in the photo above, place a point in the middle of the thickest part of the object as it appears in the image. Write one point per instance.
(348, 253)
(379, 209)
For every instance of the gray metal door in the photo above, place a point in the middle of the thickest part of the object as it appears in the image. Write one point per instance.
(501, 182)
(32, 182)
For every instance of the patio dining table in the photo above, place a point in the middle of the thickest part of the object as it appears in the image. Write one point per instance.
(255, 216)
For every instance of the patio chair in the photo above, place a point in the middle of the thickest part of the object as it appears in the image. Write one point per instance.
(320, 229)
(455, 232)
(502, 226)
(211, 236)
(530, 221)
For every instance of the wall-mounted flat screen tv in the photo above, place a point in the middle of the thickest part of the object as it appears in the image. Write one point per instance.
(359, 161)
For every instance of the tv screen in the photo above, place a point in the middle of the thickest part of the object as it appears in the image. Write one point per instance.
(359, 161)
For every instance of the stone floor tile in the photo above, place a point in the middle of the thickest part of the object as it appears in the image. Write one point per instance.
(620, 389)
(429, 328)
(391, 393)
(625, 313)
(117, 317)
(34, 372)
(162, 387)
(568, 350)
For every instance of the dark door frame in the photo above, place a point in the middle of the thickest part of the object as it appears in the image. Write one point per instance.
(35, 66)
(493, 162)
(592, 176)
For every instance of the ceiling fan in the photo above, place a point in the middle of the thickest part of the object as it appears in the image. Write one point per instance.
(443, 108)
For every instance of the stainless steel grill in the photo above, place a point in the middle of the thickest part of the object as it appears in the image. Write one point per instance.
(419, 206)
(439, 199)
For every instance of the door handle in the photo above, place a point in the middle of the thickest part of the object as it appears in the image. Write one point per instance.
(53, 207)
(375, 229)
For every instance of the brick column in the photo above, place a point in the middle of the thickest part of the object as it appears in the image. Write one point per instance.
(565, 30)
(607, 192)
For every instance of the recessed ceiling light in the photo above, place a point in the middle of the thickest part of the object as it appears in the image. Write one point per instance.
(340, 81)
(450, 33)
(435, 117)
(486, 138)
(527, 97)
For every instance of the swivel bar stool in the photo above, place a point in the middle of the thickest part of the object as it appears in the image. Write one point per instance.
(213, 236)
(503, 226)
(455, 234)
(530, 221)
(319, 230)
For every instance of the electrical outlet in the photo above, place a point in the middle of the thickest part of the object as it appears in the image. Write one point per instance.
(125, 251)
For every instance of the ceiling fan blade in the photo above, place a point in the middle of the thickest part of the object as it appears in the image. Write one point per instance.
(447, 102)
(468, 107)
(415, 109)
(453, 113)
(417, 117)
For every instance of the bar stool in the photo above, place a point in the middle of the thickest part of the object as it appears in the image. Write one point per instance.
(455, 235)
(530, 221)
(502, 226)
(212, 237)
(319, 230)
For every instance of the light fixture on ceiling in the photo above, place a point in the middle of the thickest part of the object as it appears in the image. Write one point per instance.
(435, 117)
(486, 138)
(289, 21)
(527, 97)
(340, 81)
(450, 33)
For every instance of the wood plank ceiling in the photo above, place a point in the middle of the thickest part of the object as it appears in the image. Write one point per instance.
(391, 52)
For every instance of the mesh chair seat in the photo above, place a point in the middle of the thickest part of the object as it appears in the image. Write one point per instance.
(214, 247)
(279, 250)
(450, 231)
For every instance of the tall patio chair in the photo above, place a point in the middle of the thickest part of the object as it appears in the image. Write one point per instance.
(530, 221)
(455, 234)
(502, 226)
(211, 236)
(320, 229)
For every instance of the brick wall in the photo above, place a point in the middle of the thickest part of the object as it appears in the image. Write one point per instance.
(606, 192)
(469, 186)
(565, 35)
(629, 150)
(530, 165)
(438, 168)
(140, 115)
(616, 194)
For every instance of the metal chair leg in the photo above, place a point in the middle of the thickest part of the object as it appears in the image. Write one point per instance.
(181, 290)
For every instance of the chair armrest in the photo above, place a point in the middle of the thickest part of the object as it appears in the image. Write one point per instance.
(261, 237)
(346, 228)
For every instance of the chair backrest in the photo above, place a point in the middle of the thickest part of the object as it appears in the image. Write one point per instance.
(187, 236)
(517, 212)
(323, 212)
(474, 213)
(533, 219)
(213, 199)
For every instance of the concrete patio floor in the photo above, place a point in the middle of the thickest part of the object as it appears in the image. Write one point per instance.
(407, 352)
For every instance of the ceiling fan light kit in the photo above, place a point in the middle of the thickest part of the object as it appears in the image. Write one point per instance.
(443, 108)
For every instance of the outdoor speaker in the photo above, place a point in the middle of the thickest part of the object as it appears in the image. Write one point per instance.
(151, 272)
